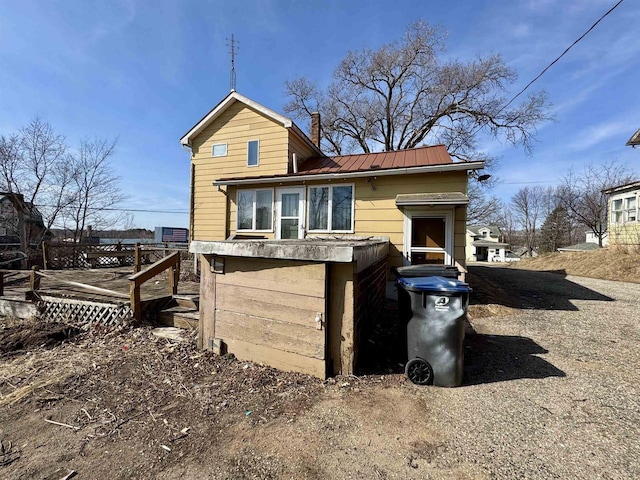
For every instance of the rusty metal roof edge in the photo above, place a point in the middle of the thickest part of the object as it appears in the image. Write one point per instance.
(447, 167)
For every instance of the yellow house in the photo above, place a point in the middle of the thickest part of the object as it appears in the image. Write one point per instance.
(623, 220)
(255, 174)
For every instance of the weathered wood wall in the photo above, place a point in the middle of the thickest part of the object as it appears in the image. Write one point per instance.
(265, 310)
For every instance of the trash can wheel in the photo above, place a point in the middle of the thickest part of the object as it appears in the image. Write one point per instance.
(419, 371)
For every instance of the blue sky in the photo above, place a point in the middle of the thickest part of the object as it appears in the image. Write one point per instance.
(145, 71)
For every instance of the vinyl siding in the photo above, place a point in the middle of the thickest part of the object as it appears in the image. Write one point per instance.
(235, 127)
(376, 213)
(300, 148)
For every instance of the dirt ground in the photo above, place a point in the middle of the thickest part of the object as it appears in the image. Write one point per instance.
(550, 391)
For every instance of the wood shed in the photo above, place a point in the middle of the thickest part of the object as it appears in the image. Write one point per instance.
(298, 305)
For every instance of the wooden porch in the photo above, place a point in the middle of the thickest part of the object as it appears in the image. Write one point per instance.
(108, 296)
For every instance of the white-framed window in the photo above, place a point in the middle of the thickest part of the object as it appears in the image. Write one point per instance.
(219, 150)
(330, 208)
(617, 214)
(255, 210)
(631, 211)
(253, 153)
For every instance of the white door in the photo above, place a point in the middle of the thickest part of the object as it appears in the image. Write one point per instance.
(428, 238)
(290, 213)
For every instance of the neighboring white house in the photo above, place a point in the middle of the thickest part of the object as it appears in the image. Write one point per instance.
(484, 245)
(593, 238)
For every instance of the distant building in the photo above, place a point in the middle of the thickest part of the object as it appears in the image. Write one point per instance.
(484, 245)
(623, 224)
(593, 238)
(21, 222)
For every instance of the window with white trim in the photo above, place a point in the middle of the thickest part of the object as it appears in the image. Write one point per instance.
(255, 210)
(219, 150)
(253, 153)
(330, 208)
(617, 213)
(631, 211)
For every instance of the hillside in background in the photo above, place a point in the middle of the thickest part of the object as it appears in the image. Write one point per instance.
(613, 263)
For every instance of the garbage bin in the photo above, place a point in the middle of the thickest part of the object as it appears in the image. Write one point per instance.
(435, 332)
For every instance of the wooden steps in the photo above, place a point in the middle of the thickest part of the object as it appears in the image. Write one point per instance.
(181, 317)
(182, 312)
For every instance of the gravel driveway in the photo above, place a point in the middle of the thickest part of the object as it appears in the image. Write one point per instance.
(553, 388)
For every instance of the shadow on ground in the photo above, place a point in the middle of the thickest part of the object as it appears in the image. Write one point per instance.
(488, 358)
(526, 289)
(499, 358)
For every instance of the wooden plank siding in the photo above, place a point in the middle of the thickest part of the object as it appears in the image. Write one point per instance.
(265, 311)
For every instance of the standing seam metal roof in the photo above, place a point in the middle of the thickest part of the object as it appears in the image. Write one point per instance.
(415, 157)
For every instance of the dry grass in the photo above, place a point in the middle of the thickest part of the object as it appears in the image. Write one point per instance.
(619, 263)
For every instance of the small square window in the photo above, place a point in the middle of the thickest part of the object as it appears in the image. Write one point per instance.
(252, 153)
(219, 150)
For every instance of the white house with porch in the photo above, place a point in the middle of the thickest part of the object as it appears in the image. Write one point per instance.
(484, 244)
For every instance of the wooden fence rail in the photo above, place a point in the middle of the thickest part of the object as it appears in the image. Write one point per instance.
(171, 263)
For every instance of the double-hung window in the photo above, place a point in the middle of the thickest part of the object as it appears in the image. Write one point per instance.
(255, 210)
(331, 208)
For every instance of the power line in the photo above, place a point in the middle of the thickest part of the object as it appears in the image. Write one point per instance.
(561, 55)
(113, 209)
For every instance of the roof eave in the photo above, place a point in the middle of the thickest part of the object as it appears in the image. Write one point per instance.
(634, 141)
(233, 96)
(449, 167)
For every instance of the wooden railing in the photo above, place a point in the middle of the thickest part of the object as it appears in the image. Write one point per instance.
(36, 275)
(170, 262)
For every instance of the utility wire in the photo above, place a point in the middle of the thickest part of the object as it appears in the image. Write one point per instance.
(561, 55)
(113, 209)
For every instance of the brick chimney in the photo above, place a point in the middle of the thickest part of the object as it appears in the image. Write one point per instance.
(315, 128)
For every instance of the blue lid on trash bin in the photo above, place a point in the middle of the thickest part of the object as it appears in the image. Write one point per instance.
(434, 284)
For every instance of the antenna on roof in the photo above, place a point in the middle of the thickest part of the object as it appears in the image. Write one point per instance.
(233, 47)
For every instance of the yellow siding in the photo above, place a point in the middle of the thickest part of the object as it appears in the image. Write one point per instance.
(300, 148)
(624, 234)
(235, 127)
(376, 213)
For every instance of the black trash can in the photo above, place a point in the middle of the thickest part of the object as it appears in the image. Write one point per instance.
(435, 332)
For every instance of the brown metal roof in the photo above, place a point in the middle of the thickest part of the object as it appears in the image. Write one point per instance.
(415, 157)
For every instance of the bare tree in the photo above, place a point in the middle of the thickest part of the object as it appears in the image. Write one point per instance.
(483, 209)
(529, 206)
(95, 187)
(580, 193)
(403, 95)
(34, 163)
(10, 162)
(508, 226)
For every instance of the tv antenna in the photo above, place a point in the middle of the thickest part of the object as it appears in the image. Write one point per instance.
(233, 48)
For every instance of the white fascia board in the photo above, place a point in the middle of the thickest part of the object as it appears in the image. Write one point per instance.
(451, 167)
(223, 105)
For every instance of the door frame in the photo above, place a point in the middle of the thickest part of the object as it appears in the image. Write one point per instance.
(417, 212)
(301, 209)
